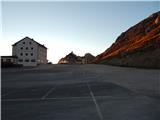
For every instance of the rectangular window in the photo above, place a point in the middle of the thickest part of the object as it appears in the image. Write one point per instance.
(8, 60)
(26, 60)
(33, 60)
(20, 60)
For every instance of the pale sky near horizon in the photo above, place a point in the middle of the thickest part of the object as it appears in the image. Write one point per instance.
(81, 27)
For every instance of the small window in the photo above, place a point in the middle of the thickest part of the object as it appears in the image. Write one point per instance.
(23, 42)
(26, 54)
(30, 43)
(26, 48)
(31, 48)
(21, 54)
(31, 54)
(8, 60)
(26, 60)
(33, 60)
(21, 48)
(20, 60)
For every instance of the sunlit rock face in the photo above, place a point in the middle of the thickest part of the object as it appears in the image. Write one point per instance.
(88, 58)
(71, 58)
(68, 59)
(139, 46)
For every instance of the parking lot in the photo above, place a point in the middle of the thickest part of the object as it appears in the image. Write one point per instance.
(79, 92)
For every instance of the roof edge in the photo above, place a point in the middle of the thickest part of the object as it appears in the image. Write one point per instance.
(30, 39)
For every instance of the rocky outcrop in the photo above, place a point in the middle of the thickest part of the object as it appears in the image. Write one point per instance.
(88, 58)
(71, 58)
(139, 46)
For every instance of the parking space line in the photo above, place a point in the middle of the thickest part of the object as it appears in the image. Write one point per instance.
(37, 99)
(45, 95)
(19, 99)
(7, 93)
(95, 102)
(69, 98)
(63, 98)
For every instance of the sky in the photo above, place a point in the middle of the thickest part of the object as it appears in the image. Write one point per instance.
(65, 26)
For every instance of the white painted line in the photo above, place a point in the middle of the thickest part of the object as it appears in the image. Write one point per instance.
(37, 99)
(69, 98)
(43, 97)
(95, 102)
(65, 98)
(19, 99)
(7, 93)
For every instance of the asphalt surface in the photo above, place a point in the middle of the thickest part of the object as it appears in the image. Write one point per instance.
(80, 92)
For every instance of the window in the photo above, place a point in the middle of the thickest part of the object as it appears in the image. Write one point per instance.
(33, 60)
(31, 54)
(30, 43)
(26, 48)
(8, 60)
(20, 60)
(31, 48)
(21, 48)
(26, 60)
(23, 42)
(21, 54)
(26, 54)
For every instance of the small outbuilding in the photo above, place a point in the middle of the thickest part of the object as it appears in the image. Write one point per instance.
(7, 61)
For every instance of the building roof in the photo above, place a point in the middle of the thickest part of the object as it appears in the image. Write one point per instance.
(9, 57)
(30, 39)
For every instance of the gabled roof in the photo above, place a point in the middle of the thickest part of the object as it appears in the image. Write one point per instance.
(30, 39)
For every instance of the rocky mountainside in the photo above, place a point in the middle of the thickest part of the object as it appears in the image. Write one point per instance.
(72, 58)
(139, 46)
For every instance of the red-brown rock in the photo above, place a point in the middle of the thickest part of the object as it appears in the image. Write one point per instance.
(139, 46)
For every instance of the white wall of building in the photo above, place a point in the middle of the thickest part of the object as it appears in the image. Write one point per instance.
(29, 52)
(42, 55)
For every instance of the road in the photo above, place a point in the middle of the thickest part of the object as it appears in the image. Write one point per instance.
(80, 92)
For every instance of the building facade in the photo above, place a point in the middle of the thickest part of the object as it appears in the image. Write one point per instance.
(29, 52)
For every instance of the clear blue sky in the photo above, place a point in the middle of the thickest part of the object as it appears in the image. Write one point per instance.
(63, 27)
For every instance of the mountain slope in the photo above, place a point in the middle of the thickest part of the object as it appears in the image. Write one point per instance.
(139, 46)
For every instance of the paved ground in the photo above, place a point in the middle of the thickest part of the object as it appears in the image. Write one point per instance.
(80, 92)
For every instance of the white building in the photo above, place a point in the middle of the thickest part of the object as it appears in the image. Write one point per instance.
(29, 52)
